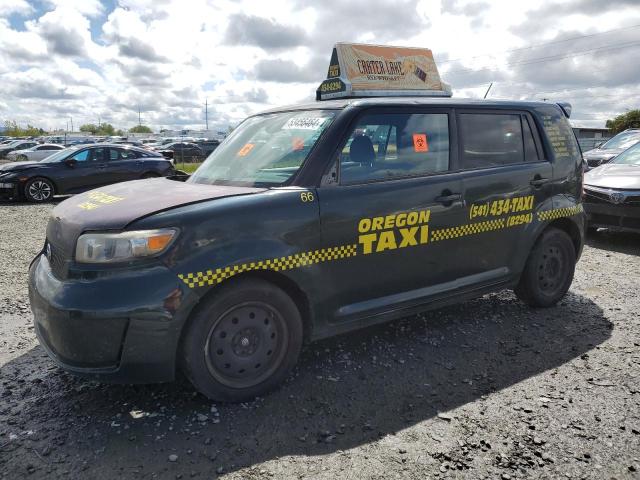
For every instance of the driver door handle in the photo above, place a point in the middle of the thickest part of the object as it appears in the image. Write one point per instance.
(538, 181)
(448, 199)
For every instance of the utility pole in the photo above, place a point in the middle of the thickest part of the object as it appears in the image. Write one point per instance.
(139, 120)
(487, 92)
(98, 121)
(71, 123)
(206, 113)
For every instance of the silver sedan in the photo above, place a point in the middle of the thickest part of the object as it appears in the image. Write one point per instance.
(35, 154)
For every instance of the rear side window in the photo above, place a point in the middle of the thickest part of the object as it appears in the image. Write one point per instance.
(386, 146)
(561, 137)
(490, 139)
(122, 154)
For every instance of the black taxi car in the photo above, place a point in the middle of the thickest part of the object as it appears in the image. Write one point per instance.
(306, 222)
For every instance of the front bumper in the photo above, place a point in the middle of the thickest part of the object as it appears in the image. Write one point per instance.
(614, 217)
(124, 327)
(9, 189)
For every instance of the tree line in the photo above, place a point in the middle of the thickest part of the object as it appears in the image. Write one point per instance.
(12, 129)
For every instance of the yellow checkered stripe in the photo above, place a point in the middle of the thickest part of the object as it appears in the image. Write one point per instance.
(213, 277)
(559, 213)
(468, 229)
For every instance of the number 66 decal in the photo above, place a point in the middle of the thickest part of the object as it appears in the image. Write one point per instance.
(306, 197)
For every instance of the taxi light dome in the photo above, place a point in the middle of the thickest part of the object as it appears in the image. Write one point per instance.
(361, 70)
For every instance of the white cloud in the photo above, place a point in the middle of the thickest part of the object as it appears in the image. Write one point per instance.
(19, 7)
(85, 59)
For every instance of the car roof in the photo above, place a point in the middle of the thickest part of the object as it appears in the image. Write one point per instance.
(407, 101)
(115, 145)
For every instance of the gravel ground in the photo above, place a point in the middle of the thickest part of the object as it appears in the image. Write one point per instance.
(487, 389)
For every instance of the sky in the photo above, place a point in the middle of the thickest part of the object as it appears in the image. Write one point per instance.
(88, 61)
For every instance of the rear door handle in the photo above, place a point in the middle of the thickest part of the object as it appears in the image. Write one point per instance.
(538, 182)
(448, 199)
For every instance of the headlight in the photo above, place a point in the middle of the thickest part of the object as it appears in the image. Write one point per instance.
(122, 247)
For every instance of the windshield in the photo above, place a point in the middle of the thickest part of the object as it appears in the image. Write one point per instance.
(265, 150)
(60, 155)
(622, 140)
(629, 157)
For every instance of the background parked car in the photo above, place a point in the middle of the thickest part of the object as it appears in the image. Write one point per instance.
(182, 152)
(613, 147)
(207, 146)
(36, 153)
(16, 145)
(78, 169)
(612, 192)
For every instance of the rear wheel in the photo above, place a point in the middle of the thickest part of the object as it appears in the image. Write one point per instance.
(150, 175)
(242, 342)
(549, 270)
(38, 190)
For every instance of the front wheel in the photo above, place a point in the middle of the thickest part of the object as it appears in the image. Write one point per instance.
(38, 190)
(549, 270)
(243, 341)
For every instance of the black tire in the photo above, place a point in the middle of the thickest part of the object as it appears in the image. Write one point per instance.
(38, 190)
(150, 175)
(242, 342)
(549, 270)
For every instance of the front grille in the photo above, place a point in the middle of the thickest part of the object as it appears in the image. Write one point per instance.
(57, 260)
(592, 196)
(603, 196)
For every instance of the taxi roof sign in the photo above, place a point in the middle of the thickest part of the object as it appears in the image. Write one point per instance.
(360, 70)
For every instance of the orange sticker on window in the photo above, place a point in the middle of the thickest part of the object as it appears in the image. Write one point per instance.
(297, 143)
(420, 142)
(244, 151)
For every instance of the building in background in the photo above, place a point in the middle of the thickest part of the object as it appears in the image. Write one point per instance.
(590, 137)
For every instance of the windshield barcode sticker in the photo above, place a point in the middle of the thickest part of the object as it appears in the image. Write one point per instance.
(304, 123)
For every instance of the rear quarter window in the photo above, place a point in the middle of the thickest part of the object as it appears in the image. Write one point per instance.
(564, 145)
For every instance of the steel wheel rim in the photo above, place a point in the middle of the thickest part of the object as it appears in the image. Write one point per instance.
(551, 269)
(40, 190)
(246, 345)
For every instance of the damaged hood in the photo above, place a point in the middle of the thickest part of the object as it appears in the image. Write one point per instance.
(115, 206)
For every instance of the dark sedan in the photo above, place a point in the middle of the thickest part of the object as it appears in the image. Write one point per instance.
(612, 193)
(78, 169)
(182, 151)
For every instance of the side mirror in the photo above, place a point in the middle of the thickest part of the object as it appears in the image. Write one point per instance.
(70, 162)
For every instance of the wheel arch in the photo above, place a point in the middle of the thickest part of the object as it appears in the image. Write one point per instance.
(285, 283)
(56, 189)
(570, 228)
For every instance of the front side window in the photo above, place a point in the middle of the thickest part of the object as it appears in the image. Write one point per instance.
(82, 156)
(490, 139)
(386, 146)
(91, 155)
(265, 150)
